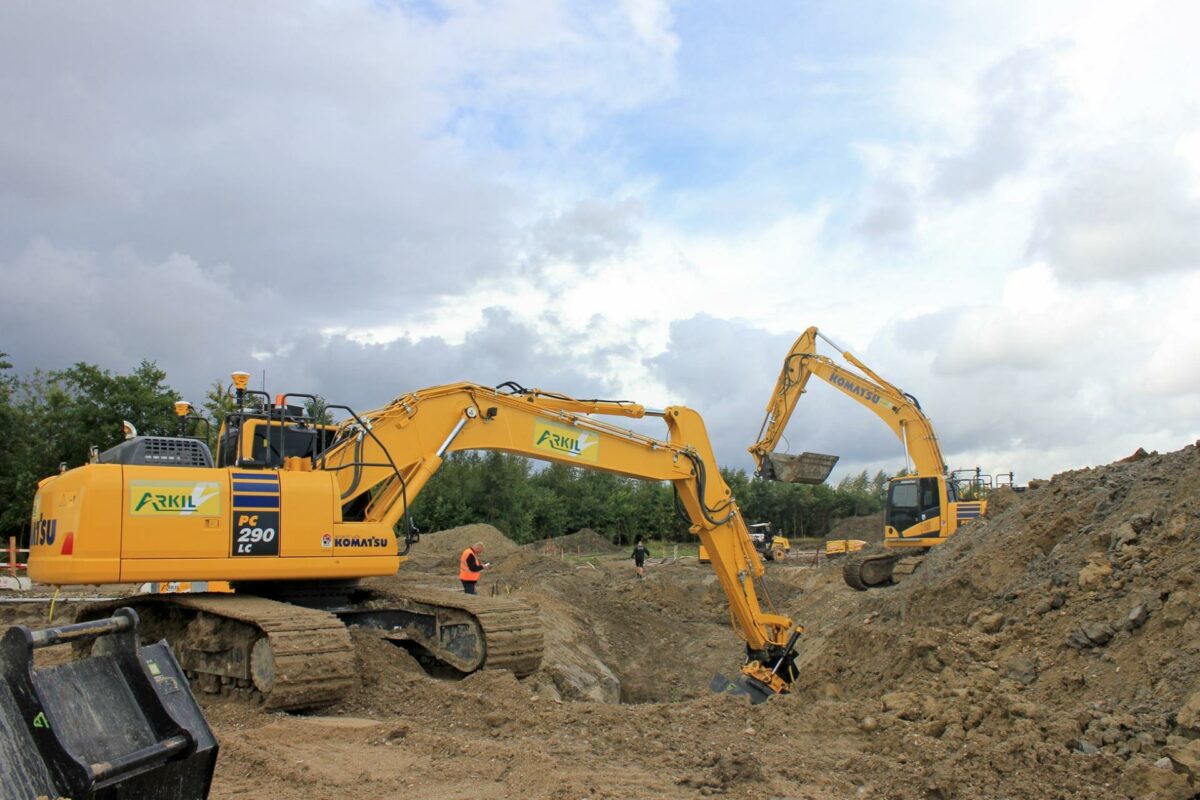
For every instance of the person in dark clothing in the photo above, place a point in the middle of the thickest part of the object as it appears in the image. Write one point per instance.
(640, 554)
(470, 567)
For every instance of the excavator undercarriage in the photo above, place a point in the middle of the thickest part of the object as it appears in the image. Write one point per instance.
(877, 568)
(286, 656)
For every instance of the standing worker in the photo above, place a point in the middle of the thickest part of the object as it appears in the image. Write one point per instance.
(470, 567)
(640, 554)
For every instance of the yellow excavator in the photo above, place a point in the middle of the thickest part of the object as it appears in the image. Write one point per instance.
(294, 512)
(923, 505)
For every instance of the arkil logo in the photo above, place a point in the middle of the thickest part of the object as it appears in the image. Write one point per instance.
(174, 499)
(561, 440)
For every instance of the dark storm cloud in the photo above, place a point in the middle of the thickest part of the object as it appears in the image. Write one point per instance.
(589, 232)
(1122, 214)
(500, 349)
(68, 306)
(60, 306)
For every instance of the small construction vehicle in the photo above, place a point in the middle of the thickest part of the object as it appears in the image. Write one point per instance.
(292, 515)
(121, 724)
(923, 506)
(770, 546)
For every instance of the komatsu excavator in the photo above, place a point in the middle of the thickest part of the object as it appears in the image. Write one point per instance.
(293, 514)
(923, 507)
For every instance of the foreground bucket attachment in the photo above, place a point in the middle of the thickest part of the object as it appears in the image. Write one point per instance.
(811, 468)
(119, 725)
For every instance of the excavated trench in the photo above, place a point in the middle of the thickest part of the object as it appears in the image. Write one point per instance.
(610, 637)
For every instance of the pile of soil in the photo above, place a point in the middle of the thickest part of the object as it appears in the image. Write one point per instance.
(869, 528)
(453, 541)
(1054, 643)
(1051, 649)
(584, 541)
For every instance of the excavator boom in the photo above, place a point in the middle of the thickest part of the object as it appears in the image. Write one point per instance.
(384, 459)
(899, 410)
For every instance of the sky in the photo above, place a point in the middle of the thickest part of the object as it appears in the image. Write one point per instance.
(994, 205)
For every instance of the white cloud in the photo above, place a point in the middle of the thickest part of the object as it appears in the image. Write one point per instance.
(997, 208)
(1122, 214)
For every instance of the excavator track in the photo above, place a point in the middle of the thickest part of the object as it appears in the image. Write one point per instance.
(879, 569)
(499, 633)
(284, 656)
(289, 657)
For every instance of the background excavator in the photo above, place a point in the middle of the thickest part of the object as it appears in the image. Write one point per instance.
(923, 506)
(294, 512)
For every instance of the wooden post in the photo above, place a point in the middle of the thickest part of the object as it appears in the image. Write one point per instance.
(12, 556)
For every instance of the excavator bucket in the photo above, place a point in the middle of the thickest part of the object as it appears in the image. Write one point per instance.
(741, 686)
(119, 725)
(811, 468)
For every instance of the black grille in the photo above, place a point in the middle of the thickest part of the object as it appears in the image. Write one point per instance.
(162, 451)
(176, 452)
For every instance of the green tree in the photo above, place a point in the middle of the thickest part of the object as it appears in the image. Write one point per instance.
(218, 404)
(16, 478)
(318, 409)
(57, 416)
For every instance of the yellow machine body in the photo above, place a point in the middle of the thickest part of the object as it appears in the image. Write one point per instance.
(114, 523)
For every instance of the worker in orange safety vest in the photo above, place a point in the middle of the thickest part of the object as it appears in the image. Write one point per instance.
(470, 567)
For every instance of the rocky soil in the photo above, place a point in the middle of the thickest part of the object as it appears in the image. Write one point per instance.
(1049, 650)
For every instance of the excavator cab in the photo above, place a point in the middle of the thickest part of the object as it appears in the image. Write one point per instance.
(912, 500)
(262, 440)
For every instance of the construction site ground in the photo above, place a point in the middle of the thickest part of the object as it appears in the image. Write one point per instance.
(1050, 650)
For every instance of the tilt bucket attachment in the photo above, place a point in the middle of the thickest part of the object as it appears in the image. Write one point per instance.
(118, 725)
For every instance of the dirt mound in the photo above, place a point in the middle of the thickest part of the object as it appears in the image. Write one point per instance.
(869, 528)
(453, 541)
(1056, 642)
(584, 541)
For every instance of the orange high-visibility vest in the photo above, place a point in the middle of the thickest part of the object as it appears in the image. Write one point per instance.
(464, 573)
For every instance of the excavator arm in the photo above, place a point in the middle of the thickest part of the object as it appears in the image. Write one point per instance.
(898, 410)
(384, 458)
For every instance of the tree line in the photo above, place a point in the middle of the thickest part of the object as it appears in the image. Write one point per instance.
(530, 501)
(52, 418)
